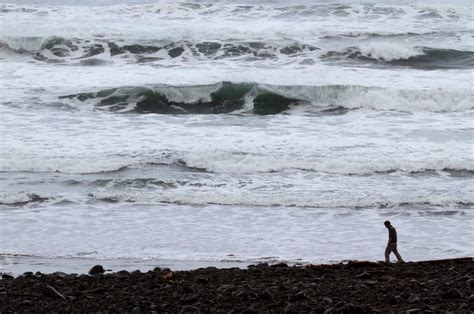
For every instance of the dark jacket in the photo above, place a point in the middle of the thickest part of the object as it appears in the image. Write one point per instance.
(392, 235)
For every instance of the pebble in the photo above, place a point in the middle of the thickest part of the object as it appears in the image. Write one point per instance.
(414, 298)
(189, 309)
(453, 294)
(97, 269)
(331, 289)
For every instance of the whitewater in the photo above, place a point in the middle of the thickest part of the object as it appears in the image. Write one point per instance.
(235, 131)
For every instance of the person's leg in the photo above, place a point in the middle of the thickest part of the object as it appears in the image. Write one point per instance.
(388, 249)
(399, 257)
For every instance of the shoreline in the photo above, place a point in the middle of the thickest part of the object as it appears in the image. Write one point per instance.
(347, 287)
(19, 264)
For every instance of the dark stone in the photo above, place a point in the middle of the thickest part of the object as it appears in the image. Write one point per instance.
(301, 295)
(83, 285)
(414, 311)
(391, 299)
(202, 280)
(123, 273)
(327, 300)
(50, 291)
(226, 289)
(453, 294)
(60, 274)
(249, 310)
(97, 269)
(290, 308)
(280, 265)
(351, 308)
(265, 295)
(362, 264)
(470, 283)
(413, 298)
(385, 278)
(339, 304)
(463, 306)
(7, 276)
(364, 275)
(99, 290)
(189, 309)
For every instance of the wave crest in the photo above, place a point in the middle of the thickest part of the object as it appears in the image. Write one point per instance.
(264, 99)
(20, 198)
(424, 58)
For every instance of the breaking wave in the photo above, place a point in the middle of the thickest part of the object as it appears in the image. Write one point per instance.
(415, 57)
(93, 52)
(59, 50)
(20, 198)
(264, 99)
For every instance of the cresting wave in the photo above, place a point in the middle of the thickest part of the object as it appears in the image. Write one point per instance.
(91, 52)
(416, 57)
(20, 198)
(61, 50)
(264, 99)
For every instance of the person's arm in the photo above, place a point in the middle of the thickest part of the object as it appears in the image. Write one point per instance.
(392, 235)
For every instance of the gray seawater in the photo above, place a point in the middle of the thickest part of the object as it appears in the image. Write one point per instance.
(235, 131)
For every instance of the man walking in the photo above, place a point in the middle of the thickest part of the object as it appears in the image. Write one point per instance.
(392, 243)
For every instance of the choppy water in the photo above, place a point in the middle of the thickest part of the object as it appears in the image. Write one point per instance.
(236, 131)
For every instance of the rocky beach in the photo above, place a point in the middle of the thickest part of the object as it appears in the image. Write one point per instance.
(348, 287)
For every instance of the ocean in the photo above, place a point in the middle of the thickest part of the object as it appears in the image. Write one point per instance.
(235, 131)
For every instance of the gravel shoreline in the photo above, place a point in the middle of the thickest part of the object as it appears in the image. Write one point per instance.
(352, 287)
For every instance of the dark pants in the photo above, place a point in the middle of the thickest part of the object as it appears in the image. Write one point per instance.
(392, 247)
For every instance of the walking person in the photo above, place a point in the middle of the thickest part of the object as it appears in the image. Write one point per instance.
(392, 243)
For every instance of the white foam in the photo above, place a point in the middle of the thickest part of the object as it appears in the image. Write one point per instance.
(215, 232)
(388, 51)
(291, 186)
(14, 197)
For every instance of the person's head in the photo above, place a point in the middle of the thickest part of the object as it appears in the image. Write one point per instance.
(387, 224)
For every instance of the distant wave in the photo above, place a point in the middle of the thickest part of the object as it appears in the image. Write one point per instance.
(442, 205)
(20, 198)
(58, 49)
(418, 202)
(417, 57)
(229, 162)
(102, 51)
(263, 99)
